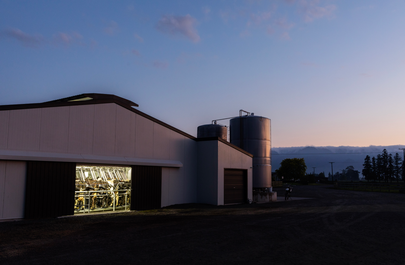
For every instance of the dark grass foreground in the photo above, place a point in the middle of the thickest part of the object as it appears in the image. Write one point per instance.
(334, 227)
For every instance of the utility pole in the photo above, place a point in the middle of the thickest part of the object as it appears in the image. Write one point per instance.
(314, 169)
(331, 164)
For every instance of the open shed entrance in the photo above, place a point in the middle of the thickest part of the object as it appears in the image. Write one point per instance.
(102, 188)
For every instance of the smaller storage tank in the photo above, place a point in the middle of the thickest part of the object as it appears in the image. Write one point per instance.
(212, 130)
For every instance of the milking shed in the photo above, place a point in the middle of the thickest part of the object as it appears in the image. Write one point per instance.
(98, 152)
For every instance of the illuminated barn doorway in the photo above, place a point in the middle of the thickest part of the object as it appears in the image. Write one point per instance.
(100, 188)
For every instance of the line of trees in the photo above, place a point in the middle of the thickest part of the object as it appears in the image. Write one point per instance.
(347, 174)
(384, 167)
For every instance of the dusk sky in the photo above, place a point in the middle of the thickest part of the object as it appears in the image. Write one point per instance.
(327, 73)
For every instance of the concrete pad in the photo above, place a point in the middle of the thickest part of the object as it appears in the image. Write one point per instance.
(279, 198)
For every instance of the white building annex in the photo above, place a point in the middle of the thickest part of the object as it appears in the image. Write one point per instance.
(97, 152)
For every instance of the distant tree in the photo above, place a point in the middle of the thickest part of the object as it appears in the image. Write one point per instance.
(380, 171)
(397, 166)
(321, 175)
(337, 176)
(367, 170)
(403, 169)
(385, 174)
(390, 168)
(350, 173)
(374, 168)
(292, 169)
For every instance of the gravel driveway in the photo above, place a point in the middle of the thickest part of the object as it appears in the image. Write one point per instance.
(330, 227)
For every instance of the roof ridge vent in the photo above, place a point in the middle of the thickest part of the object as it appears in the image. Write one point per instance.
(81, 99)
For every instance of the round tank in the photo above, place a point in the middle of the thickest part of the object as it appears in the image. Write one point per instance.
(252, 134)
(212, 130)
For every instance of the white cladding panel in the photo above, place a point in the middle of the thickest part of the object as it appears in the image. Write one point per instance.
(104, 129)
(4, 120)
(172, 187)
(12, 189)
(144, 137)
(55, 130)
(125, 132)
(24, 129)
(81, 122)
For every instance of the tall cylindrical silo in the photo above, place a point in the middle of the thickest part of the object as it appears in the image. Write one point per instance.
(252, 134)
(212, 130)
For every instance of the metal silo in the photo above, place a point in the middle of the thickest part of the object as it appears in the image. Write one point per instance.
(212, 130)
(252, 134)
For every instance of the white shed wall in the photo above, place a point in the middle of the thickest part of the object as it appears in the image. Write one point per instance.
(228, 157)
(12, 189)
(104, 130)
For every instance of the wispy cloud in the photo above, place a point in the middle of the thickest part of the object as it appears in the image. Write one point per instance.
(270, 30)
(179, 26)
(244, 33)
(289, 1)
(111, 28)
(160, 64)
(284, 24)
(93, 44)
(206, 10)
(312, 10)
(66, 39)
(22, 37)
(138, 38)
(285, 36)
(135, 52)
(259, 18)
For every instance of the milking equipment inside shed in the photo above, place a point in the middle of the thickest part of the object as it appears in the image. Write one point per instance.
(252, 134)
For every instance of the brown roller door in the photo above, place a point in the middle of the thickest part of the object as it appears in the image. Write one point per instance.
(235, 186)
(146, 188)
(49, 190)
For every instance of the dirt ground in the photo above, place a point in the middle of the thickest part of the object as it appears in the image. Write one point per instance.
(333, 227)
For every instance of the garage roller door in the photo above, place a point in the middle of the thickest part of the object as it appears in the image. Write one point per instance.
(235, 186)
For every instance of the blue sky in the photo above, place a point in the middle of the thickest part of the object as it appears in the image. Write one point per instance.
(327, 73)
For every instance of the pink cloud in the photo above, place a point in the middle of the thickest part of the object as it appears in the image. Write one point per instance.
(283, 23)
(179, 25)
(270, 30)
(111, 28)
(160, 64)
(66, 38)
(311, 10)
(285, 36)
(22, 37)
(135, 52)
(93, 44)
(206, 10)
(259, 18)
(139, 38)
(244, 34)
